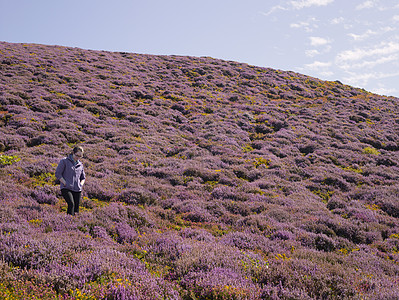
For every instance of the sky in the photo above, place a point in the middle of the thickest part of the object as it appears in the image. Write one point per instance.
(355, 42)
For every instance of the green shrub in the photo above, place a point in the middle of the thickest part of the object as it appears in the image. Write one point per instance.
(8, 159)
(371, 150)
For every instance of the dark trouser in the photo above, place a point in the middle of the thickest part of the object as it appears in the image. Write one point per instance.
(73, 200)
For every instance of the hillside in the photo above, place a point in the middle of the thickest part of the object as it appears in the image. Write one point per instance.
(206, 179)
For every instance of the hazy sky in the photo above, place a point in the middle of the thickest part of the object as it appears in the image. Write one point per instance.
(356, 41)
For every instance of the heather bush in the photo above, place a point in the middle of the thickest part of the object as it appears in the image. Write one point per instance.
(7, 214)
(99, 190)
(197, 234)
(45, 194)
(36, 168)
(220, 283)
(136, 217)
(206, 257)
(19, 250)
(302, 276)
(346, 229)
(318, 241)
(246, 241)
(12, 142)
(386, 200)
(336, 202)
(121, 275)
(256, 223)
(138, 196)
(283, 235)
(26, 289)
(125, 233)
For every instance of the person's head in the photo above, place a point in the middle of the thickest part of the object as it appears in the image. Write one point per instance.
(77, 152)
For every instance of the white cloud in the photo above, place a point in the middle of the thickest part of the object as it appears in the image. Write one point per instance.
(359, 42)
(299, 25)
(312, 52)
(360, 37)
(371, 63)
(319, 69)
(369, 33)
(364, 78)
(318, 65)
(273, 9)
(307, 25)
(337, 21)
(308, 3)
(316, 41)
(384, 91)
(366, 4)
(380, 61)
(298, 4)
(388, 29)
(357, 54)
(326, 74)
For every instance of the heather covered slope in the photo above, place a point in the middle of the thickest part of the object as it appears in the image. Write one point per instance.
(207, 179)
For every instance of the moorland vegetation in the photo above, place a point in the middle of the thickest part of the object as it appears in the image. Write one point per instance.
(206, 179)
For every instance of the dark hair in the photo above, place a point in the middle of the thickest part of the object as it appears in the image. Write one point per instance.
(77, 149)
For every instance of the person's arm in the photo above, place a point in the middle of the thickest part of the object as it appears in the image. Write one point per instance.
(82, 178)
(59, 171)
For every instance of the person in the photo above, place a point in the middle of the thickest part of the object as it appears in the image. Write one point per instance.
(71, 174)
